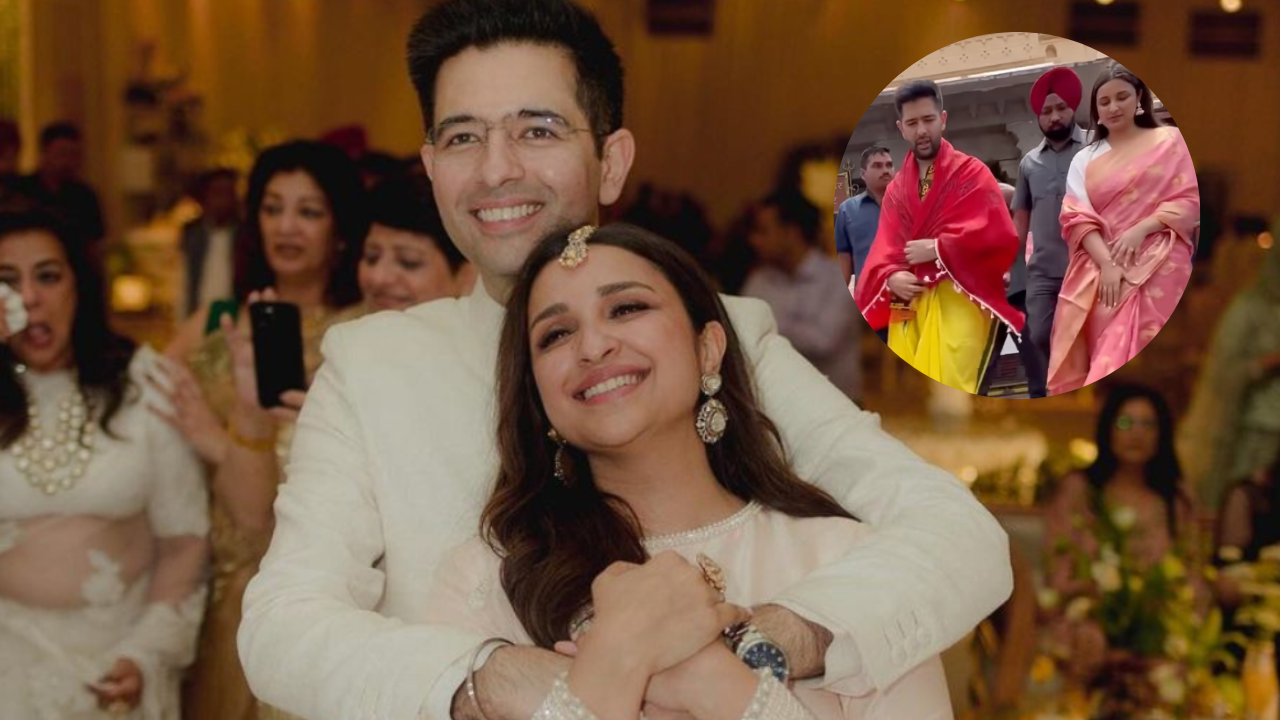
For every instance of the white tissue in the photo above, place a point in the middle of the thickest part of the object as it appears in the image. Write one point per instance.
(15, 312)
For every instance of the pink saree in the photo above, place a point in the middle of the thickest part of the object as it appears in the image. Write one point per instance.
(1110, 192)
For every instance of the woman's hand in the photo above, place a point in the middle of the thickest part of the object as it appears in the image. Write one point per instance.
(663, 612)
(190, 413)
(120, 690)
(1111, 285)
(1125, 251)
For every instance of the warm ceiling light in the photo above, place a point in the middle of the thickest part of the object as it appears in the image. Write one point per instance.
(1266, 241)
(1105, 2)
(1232, 5)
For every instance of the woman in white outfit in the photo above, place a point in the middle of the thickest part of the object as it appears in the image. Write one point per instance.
(103, 513)
(643, 501)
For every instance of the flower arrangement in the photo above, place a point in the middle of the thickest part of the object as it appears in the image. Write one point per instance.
(1166, 652)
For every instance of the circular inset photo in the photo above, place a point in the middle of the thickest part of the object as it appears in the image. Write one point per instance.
(1021, 216)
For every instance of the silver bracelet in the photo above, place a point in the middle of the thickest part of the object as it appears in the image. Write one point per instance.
(471, 671)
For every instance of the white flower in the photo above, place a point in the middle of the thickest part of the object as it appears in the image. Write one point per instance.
(1230, 554)
(1078, 609)
(1167, 681)
(1239, 572)
(1177, 646)
(1109, 556)
(1270, 553)
(1106, 575)
(1049, 598)
(1124, 517)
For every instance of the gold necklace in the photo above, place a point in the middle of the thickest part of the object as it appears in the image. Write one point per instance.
(56, 463)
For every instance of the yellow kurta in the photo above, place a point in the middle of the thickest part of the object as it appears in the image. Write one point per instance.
(950, 339)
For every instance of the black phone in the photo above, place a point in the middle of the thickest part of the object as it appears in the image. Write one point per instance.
(277, 350)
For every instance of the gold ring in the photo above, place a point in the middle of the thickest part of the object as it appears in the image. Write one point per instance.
(119, 708)
(713, 574)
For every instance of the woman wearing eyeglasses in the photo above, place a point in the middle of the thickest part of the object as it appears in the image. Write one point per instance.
(1136, 484)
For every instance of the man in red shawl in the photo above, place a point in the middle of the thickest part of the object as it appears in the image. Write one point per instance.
(935, 275)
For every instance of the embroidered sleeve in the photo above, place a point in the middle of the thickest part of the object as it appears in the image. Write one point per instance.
(771, 701)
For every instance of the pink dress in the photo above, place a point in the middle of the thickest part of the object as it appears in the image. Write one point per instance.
(762, 552)
(1110, 192)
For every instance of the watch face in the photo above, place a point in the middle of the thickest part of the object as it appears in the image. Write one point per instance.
(767, 655)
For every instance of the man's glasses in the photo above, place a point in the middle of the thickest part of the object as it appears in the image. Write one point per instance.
(527, 132)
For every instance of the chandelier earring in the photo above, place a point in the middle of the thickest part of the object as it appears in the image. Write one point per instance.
(559, 460)
(712, 415)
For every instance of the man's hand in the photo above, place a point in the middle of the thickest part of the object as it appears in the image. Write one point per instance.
(922, 251)
(511, 685)
(904, 285)
(804, 642)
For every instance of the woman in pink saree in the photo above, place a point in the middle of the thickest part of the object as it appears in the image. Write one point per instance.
(1130, 211)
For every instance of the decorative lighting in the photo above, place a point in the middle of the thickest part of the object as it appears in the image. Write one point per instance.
(131, 293)
(1105, 2)
(1266, 240)
(1232, 5)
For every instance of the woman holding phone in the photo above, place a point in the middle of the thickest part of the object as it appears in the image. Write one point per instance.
(308, 216)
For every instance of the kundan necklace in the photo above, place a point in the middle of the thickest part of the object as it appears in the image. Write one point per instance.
(53, 463)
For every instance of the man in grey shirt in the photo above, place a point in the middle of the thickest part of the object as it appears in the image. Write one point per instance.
(1037, 202)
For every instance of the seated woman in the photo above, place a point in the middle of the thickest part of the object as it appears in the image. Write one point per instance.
(1136, 472)
(631, 443)
(1130, 212)
(103, 513)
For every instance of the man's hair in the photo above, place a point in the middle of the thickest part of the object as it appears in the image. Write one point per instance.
(873, 151)
(206, 178)
(54, 132)
(915, 90)
(456, 25)
(795, 209)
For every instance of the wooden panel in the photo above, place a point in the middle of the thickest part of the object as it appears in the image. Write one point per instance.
(1216, 34)
(682, 17)
(1113, 25)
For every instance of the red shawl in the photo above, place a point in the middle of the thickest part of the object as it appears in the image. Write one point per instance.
(965, 211)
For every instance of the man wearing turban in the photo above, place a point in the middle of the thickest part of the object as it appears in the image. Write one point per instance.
(1037, 202)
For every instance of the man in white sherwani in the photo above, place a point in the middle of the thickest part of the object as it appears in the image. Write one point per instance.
(394, 453)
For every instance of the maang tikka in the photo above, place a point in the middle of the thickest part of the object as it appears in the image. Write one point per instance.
(575, 253)
(712, 415)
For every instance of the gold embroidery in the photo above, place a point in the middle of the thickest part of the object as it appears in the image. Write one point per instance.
(926, 182)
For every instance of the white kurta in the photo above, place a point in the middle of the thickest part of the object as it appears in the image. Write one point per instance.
(83, 576)
(762, 553)
(394, 456)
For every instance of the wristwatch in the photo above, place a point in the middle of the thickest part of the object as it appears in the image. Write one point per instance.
(758, 651)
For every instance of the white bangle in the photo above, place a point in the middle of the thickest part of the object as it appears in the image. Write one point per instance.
(471, 671)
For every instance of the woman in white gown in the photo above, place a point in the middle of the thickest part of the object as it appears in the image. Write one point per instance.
(625, 358)
(103, 517)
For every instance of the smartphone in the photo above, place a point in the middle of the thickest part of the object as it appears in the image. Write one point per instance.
(277, 350)
(216, 310)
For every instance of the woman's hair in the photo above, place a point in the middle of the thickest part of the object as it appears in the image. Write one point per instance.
(1116, 71)
(101, 356)
(1162, 473)
(338, 179)
(407, 203)
(556, 537)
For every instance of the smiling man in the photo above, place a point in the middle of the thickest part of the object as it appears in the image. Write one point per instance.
(935, 275)
(394, 453)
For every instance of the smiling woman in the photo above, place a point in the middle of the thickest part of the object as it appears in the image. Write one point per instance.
(630, 427)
